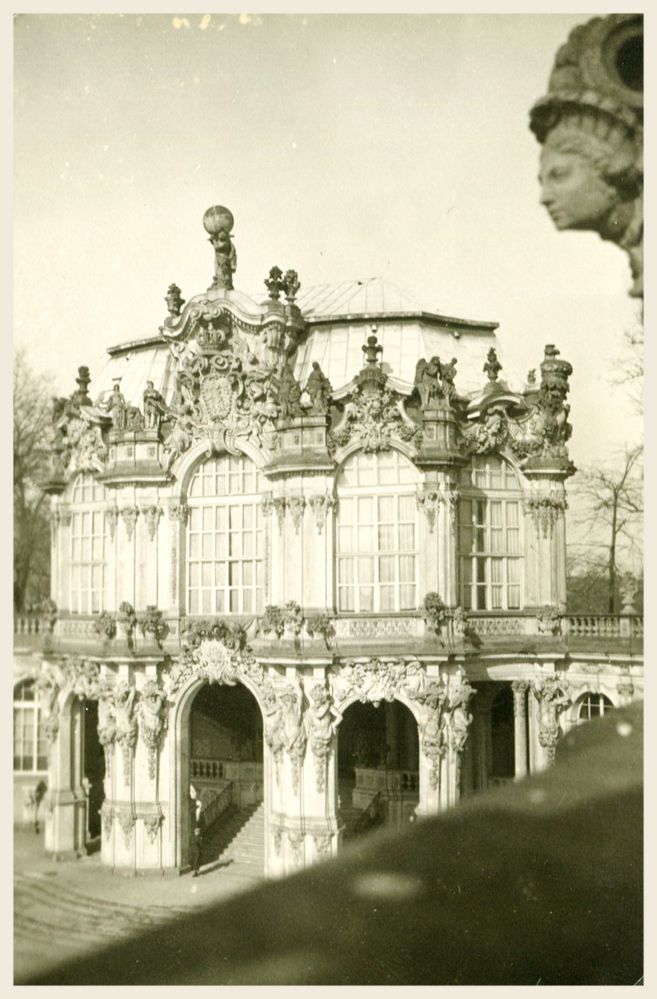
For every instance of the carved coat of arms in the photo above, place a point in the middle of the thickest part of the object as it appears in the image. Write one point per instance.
(216, 396)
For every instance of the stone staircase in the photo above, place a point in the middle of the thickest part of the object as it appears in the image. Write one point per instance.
(239, 840)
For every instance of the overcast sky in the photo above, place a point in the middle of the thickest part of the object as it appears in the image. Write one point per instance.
(346, 146)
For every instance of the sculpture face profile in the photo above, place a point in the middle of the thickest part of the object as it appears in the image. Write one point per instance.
(574, 192)
(590, 124)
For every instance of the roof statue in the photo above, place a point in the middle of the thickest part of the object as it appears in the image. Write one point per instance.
(590, 125)
(218, 223)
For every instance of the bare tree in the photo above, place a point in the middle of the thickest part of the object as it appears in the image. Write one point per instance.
(32, 416)
(612, 507)
(628, 367)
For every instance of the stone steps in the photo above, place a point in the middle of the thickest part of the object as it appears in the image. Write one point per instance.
(240, 840)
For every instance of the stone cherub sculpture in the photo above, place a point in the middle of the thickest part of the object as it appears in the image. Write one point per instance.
(590, 125)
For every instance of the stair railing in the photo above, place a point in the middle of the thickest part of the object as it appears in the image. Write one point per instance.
(223, 802)
(371, 815)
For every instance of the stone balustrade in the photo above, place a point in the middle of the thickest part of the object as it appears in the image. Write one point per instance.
(82, 629)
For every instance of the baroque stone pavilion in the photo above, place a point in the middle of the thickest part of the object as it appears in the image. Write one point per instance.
(308, 560)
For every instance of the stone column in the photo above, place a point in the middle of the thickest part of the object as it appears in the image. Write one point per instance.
(125, 818)
(151, 714)
(302, 822)
(66, 804)
(178, 514)
(519, 688)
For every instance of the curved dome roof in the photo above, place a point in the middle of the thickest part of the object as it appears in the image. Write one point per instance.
(339, 317)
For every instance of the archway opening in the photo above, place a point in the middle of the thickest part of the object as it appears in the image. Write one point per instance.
(225, 773)
(93, 772)
(378, 767)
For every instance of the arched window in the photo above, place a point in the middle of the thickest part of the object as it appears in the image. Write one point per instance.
(593, 706)
(225, 545)
(490, 542)
(30, 745)
(377, 537)
(88, 545)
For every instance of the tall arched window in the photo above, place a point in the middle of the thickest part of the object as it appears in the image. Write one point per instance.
(225, 545)
(593, 706)
(30, 744)
(490, 542)
(377, 537)
(88, 545)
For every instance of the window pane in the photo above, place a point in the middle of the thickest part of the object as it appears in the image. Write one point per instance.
(365, 538)
(407, 568)
(366, 598)
(386, 509)
(344, 539)
(387, 598)
(364, 510)
(407, 537)
(386, 538)
(407, 597)
(346, 599)
(407, 507)
(387, 569)
(365, 570)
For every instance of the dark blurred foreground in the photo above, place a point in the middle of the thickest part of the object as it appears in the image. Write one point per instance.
(538, 883)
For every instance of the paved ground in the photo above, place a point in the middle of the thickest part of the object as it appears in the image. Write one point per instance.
(72, 908)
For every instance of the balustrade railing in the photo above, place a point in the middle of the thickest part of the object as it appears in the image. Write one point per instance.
(73, 628)
(604, 625)
(207, 769)
(27, 624)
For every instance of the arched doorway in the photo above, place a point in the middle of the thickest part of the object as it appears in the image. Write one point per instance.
(378, 767)
(225, 768)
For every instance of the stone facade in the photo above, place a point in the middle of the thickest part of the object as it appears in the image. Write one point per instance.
(382, 541)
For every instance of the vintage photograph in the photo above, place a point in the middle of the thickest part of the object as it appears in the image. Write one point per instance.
(328, 499)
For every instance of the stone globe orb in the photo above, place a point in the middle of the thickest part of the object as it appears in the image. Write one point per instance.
(217, 219)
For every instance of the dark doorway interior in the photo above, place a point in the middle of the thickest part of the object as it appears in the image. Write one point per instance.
(502, 762)
(226, 772)
(93, 769)
(378, 766)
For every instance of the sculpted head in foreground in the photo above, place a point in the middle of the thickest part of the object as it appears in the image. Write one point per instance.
(590, 125)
